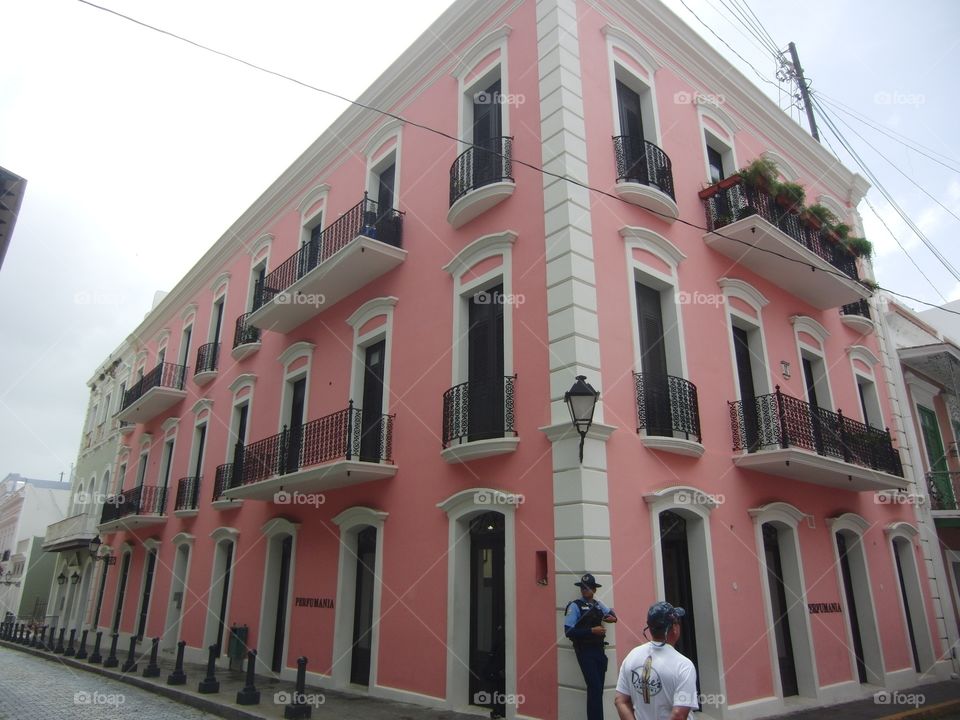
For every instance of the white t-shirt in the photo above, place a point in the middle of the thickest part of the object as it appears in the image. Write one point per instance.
(667, 680)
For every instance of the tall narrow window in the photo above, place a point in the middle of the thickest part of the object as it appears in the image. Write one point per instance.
(487, 131)
(167, 463)
(185, 344)
(715, 163)
(121, 591)
(486, 365)
(142, 469)
(147, 589)
(200, 439)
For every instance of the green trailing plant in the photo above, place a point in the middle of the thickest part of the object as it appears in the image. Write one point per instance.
(870, 284)
(842, 230)
(792, 193)
(823, 214)
(762, 172)
(858, 246)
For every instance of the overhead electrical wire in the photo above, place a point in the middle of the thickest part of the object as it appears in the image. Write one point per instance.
(515, 160)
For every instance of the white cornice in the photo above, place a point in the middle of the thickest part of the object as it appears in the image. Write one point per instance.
(863, 354)
(806, 324)
(371, 309)
(734, 287)
(654, 243)
(480, 249)
(295, 351)
(619, 37)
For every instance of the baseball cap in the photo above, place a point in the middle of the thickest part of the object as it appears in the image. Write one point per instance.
(662, 615)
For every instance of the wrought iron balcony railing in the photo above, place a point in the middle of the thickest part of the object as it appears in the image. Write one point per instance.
(348, 434)
(245, 333)
(483, 164)
(140, 500)
(667, 405)
(168, 375)
(725, 205)
(222, 480)
(778, 420)
(479, 410)
(188, 494)
(861, 308)
(365, 218)
(944, 489)
(207, 357)
(641, 161)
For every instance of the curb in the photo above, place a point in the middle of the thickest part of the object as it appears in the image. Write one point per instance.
(199, 703)
(934, 711)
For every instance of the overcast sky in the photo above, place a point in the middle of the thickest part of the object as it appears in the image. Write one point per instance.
(140, 151)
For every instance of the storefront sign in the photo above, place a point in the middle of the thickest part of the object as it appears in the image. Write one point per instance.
(819, 608)
(313, 602)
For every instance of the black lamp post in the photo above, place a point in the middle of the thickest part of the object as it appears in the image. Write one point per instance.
(581, 400)
(61, 579)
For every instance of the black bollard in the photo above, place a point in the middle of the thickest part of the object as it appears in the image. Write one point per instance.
(130, 666)
(82, 650)
(95, 657)
(59, 648)
(26, 640)
(152, 670)
(111, 661)
(71, 650)
(248, 694)
(210, 684)
(178, 677)
(298, 708)
(41, 637)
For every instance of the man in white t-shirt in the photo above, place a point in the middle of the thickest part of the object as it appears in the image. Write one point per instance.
(657, 682)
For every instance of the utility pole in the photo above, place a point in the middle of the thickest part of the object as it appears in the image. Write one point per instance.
(804, 93)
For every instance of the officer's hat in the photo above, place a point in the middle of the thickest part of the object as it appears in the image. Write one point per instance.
(589, 581)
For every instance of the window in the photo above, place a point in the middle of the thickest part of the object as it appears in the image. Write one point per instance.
(869, 402)
(216, 324)
(185, 344)
(166, 464)
(199, 443)
(142, 469)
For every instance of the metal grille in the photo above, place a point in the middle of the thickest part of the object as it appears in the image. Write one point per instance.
(245, 333)
(726, 205)
(364, 218)
(667, 405)
(222, 480)
(188, 491)
(165, 374)
(140, 500)
(333, 437)
(459, 423)
(483, 164)
(778, 420)
(944, 489)
(641, 161)
(207, 357)
(861, 307)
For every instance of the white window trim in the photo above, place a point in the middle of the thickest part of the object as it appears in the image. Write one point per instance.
(270, 531)
(178, 541)
(866, 357)
(904, 533)
(628, 44)
(219, 536)
(637, 238)
(218, 297)
(242, 382)
(378, 307)
(351, 521)
(183, 356)
(375, 164)
(789, 517)
(787, 170)
(151, 545)
(488, 246)
(312, 211)
(469, 65)
(293, 353)
(834, 206)
(745, 292)
(809, 326)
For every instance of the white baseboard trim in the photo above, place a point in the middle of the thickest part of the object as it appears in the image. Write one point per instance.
(407, 696)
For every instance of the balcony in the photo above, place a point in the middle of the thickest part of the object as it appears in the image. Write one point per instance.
(222, 481)
(207, 359)
(856, 316)
(158, 390)
(645, 176)
(125, 426)
(360, 246)
(669, 413)
(781, 435)
(342, 449)
(188, 494)
(246, 338)
(788, 246)
(479, 420)
(72, 533)
(940, 362)
(480, 177)
(944, 489)
(134, 508)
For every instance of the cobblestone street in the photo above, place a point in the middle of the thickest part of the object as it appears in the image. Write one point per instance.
(32, 688)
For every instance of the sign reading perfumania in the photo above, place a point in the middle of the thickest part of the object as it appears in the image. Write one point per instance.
(313, 602)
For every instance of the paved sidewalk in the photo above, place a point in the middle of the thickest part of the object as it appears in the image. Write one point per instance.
(273, 693)
(936, 700)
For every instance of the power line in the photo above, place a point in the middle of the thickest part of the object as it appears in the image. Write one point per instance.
(763, 28)
(515, 160)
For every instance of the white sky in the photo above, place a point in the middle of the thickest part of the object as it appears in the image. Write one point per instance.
(140, 151)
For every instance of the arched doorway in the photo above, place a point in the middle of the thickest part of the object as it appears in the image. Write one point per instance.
(487, 686)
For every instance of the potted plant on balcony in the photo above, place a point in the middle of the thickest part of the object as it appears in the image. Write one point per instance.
(761, 173)
(819, 217)
(791, 195)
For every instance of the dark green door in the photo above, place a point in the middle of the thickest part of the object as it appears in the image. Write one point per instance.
(940, 485)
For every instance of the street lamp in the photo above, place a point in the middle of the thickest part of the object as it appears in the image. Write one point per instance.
(581, 401)
(61, 579)
(75, 578)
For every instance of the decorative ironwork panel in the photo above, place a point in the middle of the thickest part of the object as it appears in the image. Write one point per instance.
(167, 375)
(207, 358)
(188, 491)
(459, 424)
(944, 489)
(673, 401)
(245, 333)
(479, 165)
(861, 308)
(222, 480)
(641, 161)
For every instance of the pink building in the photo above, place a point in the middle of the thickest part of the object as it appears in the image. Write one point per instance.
(351, 433)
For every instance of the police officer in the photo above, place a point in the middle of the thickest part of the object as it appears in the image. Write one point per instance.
(583, 624)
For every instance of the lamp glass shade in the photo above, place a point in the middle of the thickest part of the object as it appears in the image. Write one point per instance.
(581, 400)
(61, 579)
(95, 544)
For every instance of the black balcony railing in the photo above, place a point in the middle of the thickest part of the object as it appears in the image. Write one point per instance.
(641, 161)
(349, 434)
(188, 494)
(944, 489)
(222, 480)
(725, 205)
(245, 333)
(482, 164)
(165, 374)
(479, 410)
(365, 218)
(207, 358)
(861, 308)
(778, 420)
(140, 500)
(667, 405)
